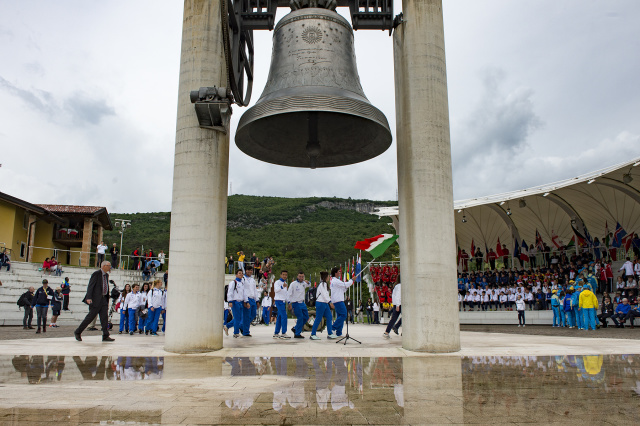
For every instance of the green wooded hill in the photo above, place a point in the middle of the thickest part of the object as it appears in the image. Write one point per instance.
(312, 234)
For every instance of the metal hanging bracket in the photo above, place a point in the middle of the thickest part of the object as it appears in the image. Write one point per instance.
(213, 107)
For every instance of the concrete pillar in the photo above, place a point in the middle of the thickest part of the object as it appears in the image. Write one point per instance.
(425, 189)
(199, 207)
(87, 233)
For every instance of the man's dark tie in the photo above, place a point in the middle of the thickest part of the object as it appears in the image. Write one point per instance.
(105, 286)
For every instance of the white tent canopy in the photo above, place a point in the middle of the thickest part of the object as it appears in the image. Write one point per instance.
(590, 201)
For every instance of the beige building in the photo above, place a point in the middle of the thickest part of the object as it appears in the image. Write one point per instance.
(33, 232)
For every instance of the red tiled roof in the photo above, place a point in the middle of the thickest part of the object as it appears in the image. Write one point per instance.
(58, 208)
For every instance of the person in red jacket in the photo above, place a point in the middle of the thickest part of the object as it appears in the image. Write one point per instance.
(386, 273)
(609, 273)
(46, 266)
(394, 273)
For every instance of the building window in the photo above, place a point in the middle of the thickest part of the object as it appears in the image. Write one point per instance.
(23, 250)
(25, 220)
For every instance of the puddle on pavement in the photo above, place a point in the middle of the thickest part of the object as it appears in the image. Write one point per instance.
(571, 389)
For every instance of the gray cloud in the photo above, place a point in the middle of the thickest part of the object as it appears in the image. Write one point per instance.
(79, 108)
(85, 109)
(39, 99)
(500, 124)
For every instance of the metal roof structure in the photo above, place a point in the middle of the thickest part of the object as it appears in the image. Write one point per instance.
(589, 202)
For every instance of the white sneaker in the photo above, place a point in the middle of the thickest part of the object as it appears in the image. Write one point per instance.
(226, 329)
(284, 336)
(386, 335)
(314, 337)
(276, 336)
(524, 325)
(332, 336)
(519, 325)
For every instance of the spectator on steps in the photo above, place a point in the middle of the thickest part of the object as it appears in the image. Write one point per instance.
(66, 291)
(5, 260)
(25, 300)
(607, 311)
(41, 300)
(56, 307)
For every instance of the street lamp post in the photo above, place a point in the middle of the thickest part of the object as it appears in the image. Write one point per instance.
(122, 224)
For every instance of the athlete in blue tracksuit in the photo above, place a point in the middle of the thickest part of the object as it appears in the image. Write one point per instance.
(281, 297)
(555, 305)
(296, 294)
(249, 313)
(338, 288)
(569, 312)
(575, 304)
(237, 300)
(155, 298)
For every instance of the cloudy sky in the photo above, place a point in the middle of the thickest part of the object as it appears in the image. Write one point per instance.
(538, 91)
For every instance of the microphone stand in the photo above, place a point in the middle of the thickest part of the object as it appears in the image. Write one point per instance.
(346, 336)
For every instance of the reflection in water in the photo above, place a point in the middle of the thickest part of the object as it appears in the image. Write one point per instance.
(359, 390)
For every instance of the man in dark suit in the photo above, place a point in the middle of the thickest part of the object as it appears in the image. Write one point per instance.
(97, 298)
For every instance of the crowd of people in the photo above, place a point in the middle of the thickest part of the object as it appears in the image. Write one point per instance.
(262, 268)
(249, 301)
(568, 289)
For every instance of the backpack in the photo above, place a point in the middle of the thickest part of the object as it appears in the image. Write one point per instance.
(21, 300)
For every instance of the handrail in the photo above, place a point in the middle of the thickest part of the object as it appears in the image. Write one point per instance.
(93, 253)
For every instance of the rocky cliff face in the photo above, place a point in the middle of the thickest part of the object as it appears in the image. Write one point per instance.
(343, 205)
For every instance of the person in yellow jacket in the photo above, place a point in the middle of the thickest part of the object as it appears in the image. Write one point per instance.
(588, 302)
(241, 257)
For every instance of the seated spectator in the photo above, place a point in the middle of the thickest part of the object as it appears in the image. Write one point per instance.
(46, 266)
(621, 312)
(5, 260)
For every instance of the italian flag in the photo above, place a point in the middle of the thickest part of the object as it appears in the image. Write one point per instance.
(376, 245)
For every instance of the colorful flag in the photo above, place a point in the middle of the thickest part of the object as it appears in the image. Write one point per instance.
(516, 250)
(607, 237)
(572, 243)
(359, 269)
(617, 236)
(626, 241)
(524, 253)
(473, 248)
(499, 252)
(376, 245)
(580, 238)
(554, 239)
(539, 242)
(588, 236)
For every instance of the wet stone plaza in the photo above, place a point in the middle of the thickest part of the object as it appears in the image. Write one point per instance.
(262, 381)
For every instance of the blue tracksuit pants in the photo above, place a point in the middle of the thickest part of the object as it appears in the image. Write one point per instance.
(248, 315)
(237, 310)
(589, 318)
(579, 318)
(571, 317)
(123, 320)
(153, 318)
(302, 315)
(265, 314)
(322, 310)
(281, 319)
(132, 320)
(164, 320)
(341, 312)
(556, 316)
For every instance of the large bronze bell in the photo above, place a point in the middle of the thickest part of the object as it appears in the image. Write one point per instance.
(313, 112)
